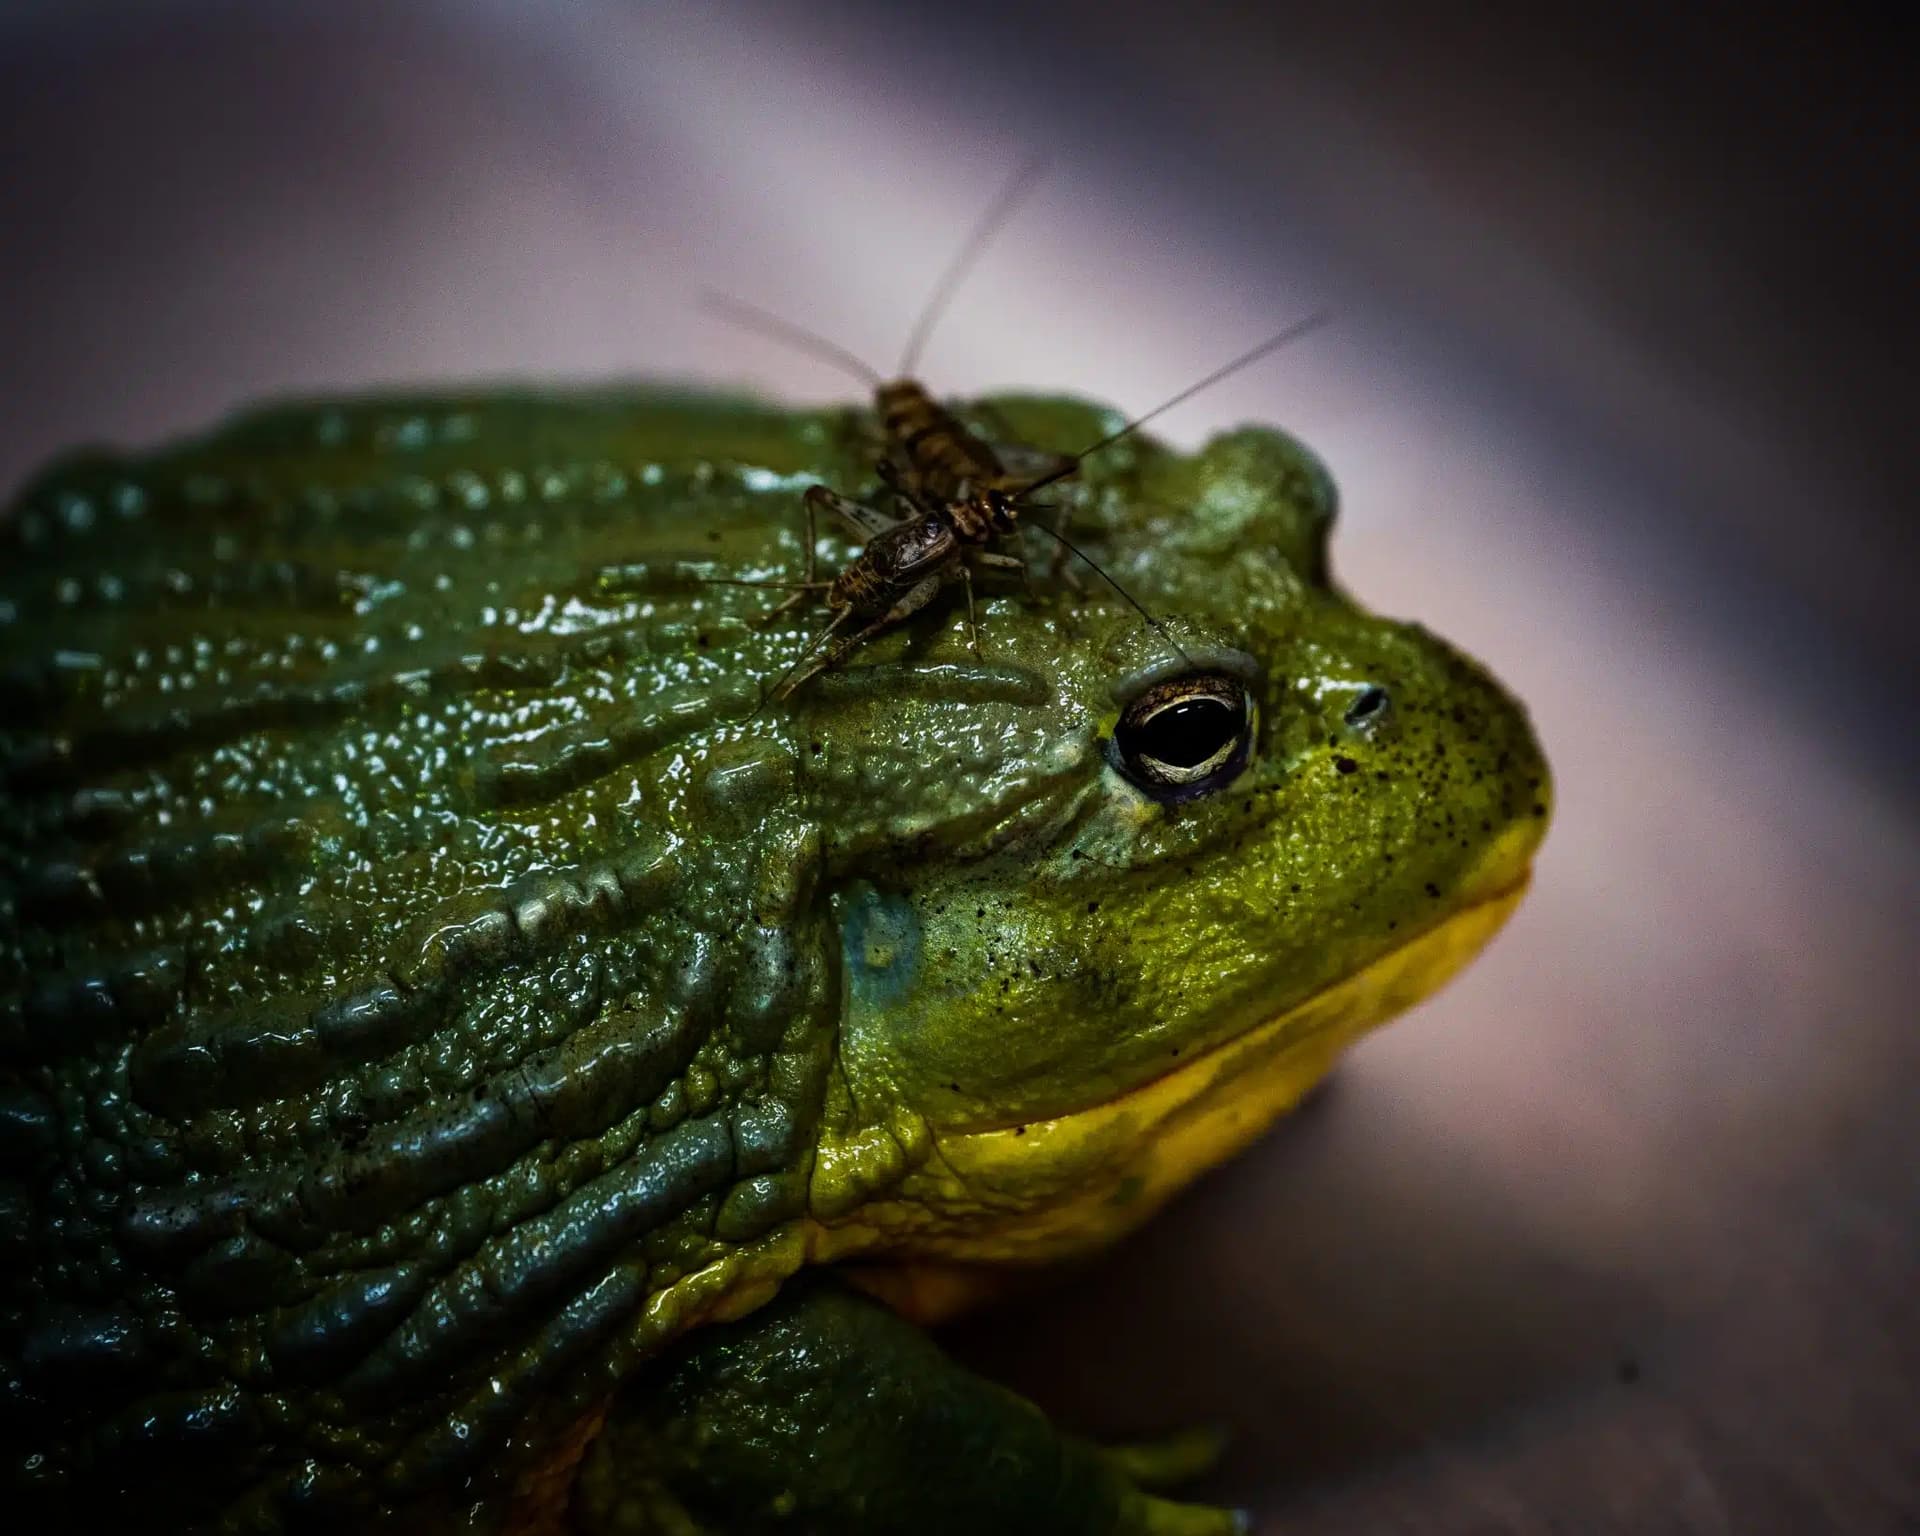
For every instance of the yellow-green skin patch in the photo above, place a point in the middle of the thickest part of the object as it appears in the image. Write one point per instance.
(432, 980)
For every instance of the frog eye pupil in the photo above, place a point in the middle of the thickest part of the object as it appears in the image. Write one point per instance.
(1188, 732)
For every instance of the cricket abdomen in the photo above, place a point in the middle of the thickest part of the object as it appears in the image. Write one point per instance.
(940, 459)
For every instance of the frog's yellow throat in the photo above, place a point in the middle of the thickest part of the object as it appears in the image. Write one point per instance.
(1052, 1189)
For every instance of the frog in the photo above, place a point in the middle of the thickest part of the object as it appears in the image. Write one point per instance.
(476, 1060)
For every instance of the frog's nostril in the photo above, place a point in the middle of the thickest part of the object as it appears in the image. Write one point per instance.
(1368, 707)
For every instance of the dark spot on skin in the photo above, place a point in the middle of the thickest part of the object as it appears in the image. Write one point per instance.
(1346, 765)
(1539, 809)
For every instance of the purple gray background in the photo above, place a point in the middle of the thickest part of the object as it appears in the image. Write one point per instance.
(1621, 1233)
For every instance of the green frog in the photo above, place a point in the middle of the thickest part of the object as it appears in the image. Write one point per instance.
(475, 1060)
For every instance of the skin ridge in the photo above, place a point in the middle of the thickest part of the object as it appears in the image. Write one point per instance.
(334, 1204)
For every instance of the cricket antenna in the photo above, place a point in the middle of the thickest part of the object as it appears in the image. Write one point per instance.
(753, 318)
(1074, 549)
(1273, 343)
(991, 223)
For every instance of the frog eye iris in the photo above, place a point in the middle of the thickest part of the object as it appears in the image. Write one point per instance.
(1185, 736)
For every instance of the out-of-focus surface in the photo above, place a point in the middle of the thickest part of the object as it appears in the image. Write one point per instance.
(1623, 1231)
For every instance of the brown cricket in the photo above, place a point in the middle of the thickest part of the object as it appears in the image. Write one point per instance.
(958, 494)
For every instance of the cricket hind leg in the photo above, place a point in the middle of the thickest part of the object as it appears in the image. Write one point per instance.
(860, 519)
(810, 583)
(908, 605)
(826, 1412)
(863, 521)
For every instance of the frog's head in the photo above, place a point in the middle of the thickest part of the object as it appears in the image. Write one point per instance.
(1117, 894)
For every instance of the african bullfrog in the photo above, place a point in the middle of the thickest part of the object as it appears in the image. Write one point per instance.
(448, 1003)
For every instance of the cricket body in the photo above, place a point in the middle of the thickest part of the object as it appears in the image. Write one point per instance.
(957, 497)
(958, 494)
(902, 568)
(958, 500)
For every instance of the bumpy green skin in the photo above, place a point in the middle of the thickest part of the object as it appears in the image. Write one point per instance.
(419, 953)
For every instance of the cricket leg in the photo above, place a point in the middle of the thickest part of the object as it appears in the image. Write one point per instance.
(811, 582)
(911, 603)
(861, 520)
(991, 560)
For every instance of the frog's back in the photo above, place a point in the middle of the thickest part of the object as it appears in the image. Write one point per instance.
(406, 1008)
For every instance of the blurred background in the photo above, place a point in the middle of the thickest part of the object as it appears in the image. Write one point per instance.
(1621, 1233)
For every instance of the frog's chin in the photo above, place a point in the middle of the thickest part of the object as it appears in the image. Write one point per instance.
(1051, 1189)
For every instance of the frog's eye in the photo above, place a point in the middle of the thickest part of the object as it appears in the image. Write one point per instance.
(1368, 707)
(1185, 736)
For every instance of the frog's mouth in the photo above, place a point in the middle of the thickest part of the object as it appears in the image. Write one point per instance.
(1049, 1189)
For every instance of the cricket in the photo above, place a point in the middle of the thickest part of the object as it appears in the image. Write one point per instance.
(956, 495)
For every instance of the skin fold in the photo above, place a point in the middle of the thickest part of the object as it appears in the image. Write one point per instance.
(448, 1004)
